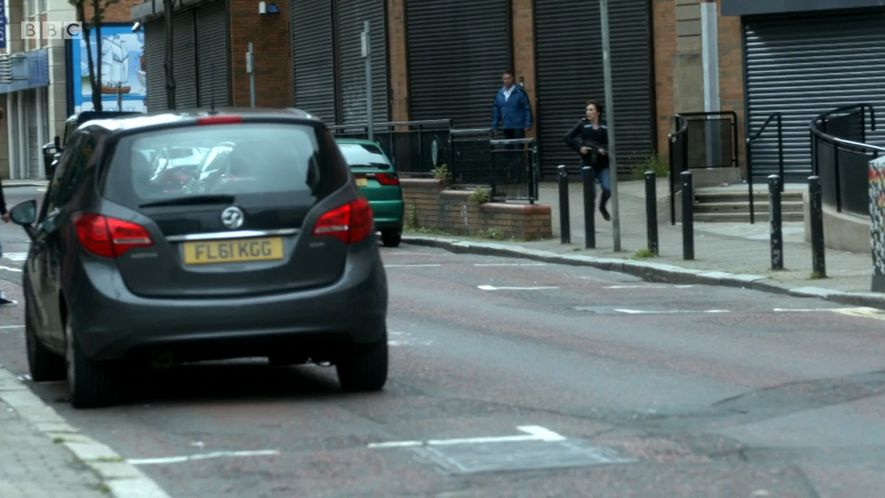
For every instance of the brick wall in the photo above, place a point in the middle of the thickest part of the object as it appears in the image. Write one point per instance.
(428, 205)
(731, 73)
(523, 22)
(664, 20)
(398, 62)
(119, 12)
(269, 35)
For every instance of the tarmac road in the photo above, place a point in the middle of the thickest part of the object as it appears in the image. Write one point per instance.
(512, 378)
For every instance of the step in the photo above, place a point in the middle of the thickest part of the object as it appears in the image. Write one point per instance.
(743, 197)
(744, 207)
(743, 217)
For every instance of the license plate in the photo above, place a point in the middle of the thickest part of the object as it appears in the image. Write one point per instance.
(362, 182)
(233, 251)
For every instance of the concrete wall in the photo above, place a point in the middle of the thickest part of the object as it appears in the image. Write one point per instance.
(429, 205)
(842, 231)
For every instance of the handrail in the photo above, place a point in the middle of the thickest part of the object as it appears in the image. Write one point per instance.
(681, 129)
(765, 125)
(780, 156)
(820, 121)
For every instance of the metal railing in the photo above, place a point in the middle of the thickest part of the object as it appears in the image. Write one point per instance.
(780, 156)
(678, 141)
(842, 161)
(720, 148)
(509, 168)
(414, 147)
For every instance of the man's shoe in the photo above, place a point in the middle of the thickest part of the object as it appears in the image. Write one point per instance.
(605, 215)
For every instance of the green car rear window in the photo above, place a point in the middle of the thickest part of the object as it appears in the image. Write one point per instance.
(364, 156)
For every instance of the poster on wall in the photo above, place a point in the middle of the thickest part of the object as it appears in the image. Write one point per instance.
(123, 85)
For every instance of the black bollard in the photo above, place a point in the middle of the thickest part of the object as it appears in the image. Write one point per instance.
(687, 216)
(565, 230)
(818, 260)
(775, 218)
(651, 212)
(589, 181)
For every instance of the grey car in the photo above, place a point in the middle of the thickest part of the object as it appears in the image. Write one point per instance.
(272, 255)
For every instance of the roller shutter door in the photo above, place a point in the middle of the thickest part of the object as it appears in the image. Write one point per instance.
(213, 64)
(804, 66)
(184, 60)
(313, 49)
(569, 64)
(351, 15)
(457, 52)
(154, 54)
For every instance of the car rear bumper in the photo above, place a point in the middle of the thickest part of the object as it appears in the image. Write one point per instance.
(387, 214)
(112, 323)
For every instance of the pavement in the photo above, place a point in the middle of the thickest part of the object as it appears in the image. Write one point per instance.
(729, 254)
(44, 456)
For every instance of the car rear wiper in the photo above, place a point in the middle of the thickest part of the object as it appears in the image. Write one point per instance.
(193, 199)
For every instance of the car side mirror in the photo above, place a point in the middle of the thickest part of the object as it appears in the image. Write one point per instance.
(24, 213)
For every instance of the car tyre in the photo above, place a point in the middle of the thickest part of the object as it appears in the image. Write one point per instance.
(363, 367)
(391, 237)
(91, 383)
(43, 363)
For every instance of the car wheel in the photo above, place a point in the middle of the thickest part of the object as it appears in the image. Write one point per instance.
(43, 363)
(91, 383)
(363, 367)
(391, 237)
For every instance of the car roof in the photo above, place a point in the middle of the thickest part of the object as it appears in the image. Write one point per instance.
(151, 120)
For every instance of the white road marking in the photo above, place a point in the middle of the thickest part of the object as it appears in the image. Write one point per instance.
(2, 327)
(201, 456)
(649, 286)
(508, 264)
(532, 433)
(493, 288)
(668, 312)
(10, 269)
(411, 266)
(15, 256)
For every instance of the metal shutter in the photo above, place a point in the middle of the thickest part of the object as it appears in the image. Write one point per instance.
(154, 55)
(804, 66)
(569, 65)
(352, 69)
(314, 57)
(184, 60)
(213, 61)
(457, 52)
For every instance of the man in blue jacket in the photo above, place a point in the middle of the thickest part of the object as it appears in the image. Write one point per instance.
(511, 112)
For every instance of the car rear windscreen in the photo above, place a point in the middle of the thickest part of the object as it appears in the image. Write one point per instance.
(363, 156)
(232, 159)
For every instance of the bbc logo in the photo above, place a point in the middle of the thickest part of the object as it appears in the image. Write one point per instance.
(51, 30)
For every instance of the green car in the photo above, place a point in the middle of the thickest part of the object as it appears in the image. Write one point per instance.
(377, 179)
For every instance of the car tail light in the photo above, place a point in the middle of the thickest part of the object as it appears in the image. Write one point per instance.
(219, 119)
(387, 178)
(350, 223)
(109, 237)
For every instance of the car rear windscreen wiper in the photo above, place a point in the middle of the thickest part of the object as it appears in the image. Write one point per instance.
(193, 200)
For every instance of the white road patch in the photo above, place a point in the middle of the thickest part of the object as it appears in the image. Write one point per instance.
(201, 456)
(493, 288)
(669, 312)
(532, 433)
(508, 264)
(649, 286)
(412, 266)
(399, 339)
(10, 269)
(858, 312)
(15, 256)
(5, 327)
